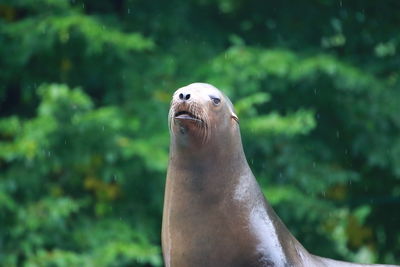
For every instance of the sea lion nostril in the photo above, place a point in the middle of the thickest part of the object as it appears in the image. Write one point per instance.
(184, 96)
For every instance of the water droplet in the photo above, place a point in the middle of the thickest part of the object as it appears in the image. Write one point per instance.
(129, 11)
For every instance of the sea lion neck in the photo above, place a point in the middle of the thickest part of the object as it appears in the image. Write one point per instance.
(209, 169)
(215, 153)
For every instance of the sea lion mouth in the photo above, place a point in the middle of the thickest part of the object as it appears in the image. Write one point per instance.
(191, 119)
(186, 115)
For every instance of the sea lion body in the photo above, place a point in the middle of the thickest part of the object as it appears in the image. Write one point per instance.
(214, 211)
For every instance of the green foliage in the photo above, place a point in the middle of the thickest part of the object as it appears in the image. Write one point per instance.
(300, 122)
(84, 94)
(72, 160)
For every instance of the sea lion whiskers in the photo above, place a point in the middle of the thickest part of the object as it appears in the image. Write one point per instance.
(205, 130)
(198, 116)
(198, 111)
(171, 115)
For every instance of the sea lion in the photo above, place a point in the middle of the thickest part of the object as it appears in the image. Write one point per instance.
(214, 211)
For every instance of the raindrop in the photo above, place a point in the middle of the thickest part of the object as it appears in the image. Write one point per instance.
(314, 164)
(340, 3)
(337, 134)
(129, 11)
(102, 128)
(315, 91)
(65, 141)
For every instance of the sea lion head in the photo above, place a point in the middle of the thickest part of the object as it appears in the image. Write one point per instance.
(201, 115)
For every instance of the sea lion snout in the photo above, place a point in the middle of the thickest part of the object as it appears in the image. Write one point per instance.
(186, 107)
(191, 103)
(188, 119)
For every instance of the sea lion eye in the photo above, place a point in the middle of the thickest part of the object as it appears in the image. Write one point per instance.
(215, 100)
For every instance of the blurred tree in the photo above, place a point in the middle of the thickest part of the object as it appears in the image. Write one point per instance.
(84, 93)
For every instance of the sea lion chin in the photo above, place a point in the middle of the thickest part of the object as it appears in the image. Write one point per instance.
(215, 213)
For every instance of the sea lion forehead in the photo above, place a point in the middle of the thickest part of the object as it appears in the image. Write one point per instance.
(200, 89)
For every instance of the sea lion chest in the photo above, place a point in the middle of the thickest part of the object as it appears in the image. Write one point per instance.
(212, 226)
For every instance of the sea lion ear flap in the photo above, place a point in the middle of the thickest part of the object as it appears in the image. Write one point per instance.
(235, 117)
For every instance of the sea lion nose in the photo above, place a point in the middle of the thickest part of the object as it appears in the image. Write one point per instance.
(184, 96)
